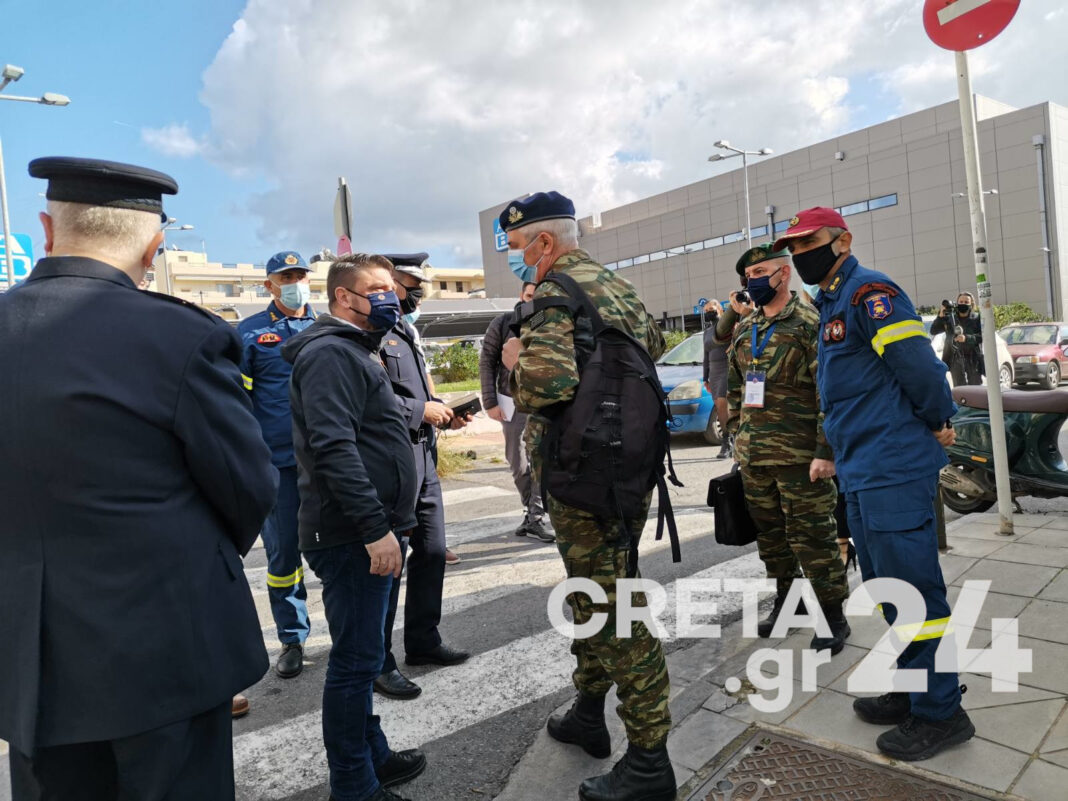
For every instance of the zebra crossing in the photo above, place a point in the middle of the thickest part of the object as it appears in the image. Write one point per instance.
(494, 606)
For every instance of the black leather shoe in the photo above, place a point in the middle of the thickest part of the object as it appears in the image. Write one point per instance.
(886, 710)
(583, 725)
(839, 630)
(765, 626)
(291, 661)
(442, 655)
(641, 775)
(396, 685)
(919, 738)
(401, 767)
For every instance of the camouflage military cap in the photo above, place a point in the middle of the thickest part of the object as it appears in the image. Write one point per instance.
(757, 254)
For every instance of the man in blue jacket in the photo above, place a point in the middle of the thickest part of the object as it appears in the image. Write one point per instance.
(887, 410)
(357, 488)
(266, 377)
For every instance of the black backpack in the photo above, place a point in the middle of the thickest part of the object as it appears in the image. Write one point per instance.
(603, 450)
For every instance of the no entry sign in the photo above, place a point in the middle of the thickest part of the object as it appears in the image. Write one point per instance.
(965, 24)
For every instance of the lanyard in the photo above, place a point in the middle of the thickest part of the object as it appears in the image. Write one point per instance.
(759, 351)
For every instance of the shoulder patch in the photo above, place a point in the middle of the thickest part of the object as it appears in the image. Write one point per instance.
(536, 320)
(879, 305)
(874, 286)
(268, 338)
(185, 303)
(834, 330)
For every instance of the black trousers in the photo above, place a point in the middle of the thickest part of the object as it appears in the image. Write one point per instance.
(190, 759)
(424, 564)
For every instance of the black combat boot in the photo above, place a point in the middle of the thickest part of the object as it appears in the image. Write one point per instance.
(641, 775)
(765, 626)
(888, 709)
(583, 724)
(919, 738)
(839, 630)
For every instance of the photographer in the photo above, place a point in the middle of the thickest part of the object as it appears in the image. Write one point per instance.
(962, 352)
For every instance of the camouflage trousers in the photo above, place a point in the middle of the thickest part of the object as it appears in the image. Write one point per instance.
(636, 664)
(795, 521)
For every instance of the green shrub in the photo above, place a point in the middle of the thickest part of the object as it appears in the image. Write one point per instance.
(456, 363)
(673, 337)
(1016, 313)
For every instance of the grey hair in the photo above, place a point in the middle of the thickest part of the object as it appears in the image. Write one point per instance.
(122, 233)
(563, 229)
(835, 232)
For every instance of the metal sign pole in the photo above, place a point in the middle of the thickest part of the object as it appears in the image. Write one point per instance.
(986, 306)
(8, 258)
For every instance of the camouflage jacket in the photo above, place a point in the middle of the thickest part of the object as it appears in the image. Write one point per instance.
(547, 371)
(789, 429)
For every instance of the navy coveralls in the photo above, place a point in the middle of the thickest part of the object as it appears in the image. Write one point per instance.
(883, 393)
(426, 565)
(266, 377)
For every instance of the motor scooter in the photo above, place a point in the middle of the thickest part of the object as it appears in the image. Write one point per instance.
(1033, 422)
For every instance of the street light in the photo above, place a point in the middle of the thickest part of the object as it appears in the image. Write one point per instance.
(165, 285)
(10, 74)
(723, 144)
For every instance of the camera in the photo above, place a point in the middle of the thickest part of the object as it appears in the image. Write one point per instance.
(743, 297)
(947, 305)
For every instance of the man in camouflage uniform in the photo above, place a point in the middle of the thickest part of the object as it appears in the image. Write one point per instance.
(543, 236)
(774, 416)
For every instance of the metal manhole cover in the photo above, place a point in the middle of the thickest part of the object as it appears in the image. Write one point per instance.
(771, 766)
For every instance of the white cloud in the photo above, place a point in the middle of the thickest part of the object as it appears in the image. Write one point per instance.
(172, 140)
(434, 111)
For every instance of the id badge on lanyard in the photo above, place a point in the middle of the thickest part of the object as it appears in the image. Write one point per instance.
(755, 379)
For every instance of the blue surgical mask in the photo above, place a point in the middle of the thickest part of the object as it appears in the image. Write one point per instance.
(385, 309)
(811, 289)
(294, 296)
(523, 271)
(411, 317)
(761, 290)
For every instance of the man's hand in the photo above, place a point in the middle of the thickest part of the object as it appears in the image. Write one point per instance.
(946, 436)
(385, 556)
(510, 352)
(820, 468)
(742, 309)
(495, 413)
(437, 414)
(959, 338)
(460, 422)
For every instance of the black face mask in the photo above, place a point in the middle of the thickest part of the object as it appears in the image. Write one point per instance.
(813, 265)
(964, 309)
(411, 300)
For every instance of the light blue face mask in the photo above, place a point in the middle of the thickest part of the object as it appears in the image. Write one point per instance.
(811, 289)
(411, 317)
(523, 271)
(294, 296)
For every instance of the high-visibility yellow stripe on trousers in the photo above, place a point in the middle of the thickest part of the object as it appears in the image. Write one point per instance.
(928, 630)
(291, 580)
(896, 332)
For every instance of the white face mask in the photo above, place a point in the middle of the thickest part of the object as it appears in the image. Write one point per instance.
(294, 296)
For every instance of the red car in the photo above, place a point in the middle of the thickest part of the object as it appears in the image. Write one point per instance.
(1038, 352)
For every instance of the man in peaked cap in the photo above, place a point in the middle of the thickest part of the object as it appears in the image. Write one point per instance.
(266, 377)
(887, 410)
(543, 237)
(142, 478)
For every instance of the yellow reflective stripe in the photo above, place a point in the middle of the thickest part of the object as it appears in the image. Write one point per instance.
(247, 381)
(895, 333)
(291, 580)
(929, 630)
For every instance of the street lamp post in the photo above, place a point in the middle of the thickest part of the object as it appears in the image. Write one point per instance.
(723, 144)
(165, 285)
(10, 74)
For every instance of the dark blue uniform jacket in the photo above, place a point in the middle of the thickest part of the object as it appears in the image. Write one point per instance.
(882, 389)
(354, 456)
(134, 476)
(266, 375)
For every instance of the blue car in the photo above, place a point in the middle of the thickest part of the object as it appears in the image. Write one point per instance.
(679, 371)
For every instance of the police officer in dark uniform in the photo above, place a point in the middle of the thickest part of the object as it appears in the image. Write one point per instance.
(266, 376)
(406, 368)
(138, 479)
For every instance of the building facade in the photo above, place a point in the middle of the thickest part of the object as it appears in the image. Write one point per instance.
(899, 185)
(212, 283)
(455, 283)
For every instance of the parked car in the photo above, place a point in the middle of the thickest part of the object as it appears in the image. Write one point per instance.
(689, 403)
(1006, 370)
(1038, 351)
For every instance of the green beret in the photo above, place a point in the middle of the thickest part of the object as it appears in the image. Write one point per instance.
(757, 254)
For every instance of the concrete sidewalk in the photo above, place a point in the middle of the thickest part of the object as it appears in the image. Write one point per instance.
(1020, 750)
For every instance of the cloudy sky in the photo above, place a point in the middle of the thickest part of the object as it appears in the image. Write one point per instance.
(436, 110)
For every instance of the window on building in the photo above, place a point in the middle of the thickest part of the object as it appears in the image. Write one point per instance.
(183, 258)
(459, 286)
(643, 259)
(657, 256)
(882, 202)
(261, 291)
(782, 226)
(229, 266)
(690, 248)
(610, 266)
(443, 286)
(853, 208)
(226, 289)
(735, 237)
(761, 231)
(681, 249)
(714, 242)
(624, 263)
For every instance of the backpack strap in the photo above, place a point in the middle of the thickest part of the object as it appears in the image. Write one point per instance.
(527, 310)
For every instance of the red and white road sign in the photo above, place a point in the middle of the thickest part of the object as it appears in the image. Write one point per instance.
(965, 24)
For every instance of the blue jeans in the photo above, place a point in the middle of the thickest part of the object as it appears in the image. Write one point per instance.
(894, 531)
(285, 572)
(355, 603)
